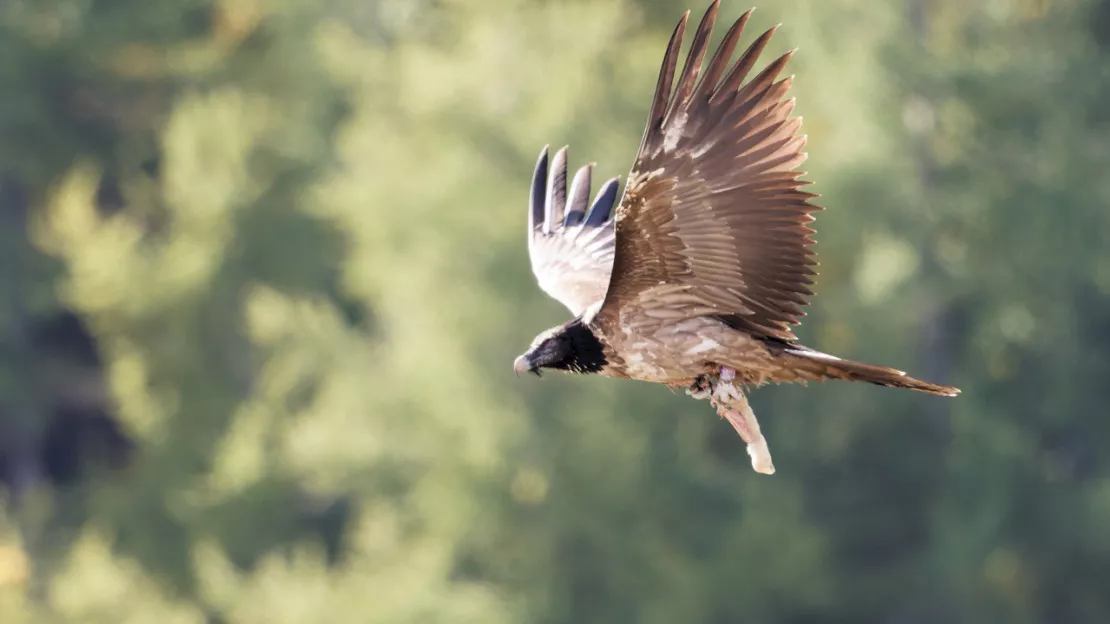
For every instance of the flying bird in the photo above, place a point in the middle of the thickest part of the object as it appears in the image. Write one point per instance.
(696, 276)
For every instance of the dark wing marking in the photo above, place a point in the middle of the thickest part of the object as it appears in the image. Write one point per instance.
(713, 220)
(570, 240)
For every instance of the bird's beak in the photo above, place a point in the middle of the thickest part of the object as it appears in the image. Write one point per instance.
(521, 365)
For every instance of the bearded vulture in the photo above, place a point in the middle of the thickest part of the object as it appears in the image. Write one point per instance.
(698, 276)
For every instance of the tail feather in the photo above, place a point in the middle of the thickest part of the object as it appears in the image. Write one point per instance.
(815, 365)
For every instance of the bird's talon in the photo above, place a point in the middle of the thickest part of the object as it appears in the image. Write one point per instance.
(701, 389)
(726, 393)
(699, 394)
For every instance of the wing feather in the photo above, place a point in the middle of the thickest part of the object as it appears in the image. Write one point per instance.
(713, 220)
(570, 240)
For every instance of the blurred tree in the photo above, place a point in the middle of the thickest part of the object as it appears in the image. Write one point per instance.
(1006, 169)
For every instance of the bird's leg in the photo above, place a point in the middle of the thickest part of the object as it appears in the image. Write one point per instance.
(725, 391)
(733, 406)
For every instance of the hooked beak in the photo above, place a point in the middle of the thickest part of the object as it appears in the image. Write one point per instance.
(522, 365)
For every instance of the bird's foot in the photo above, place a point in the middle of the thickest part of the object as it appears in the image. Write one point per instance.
(701, 389)
(732, 405)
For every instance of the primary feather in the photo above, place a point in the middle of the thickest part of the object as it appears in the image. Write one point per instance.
(714, 220)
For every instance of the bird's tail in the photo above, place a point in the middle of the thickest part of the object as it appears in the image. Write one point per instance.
(814, 365)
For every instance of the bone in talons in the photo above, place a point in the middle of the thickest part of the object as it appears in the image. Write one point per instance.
(732, 405)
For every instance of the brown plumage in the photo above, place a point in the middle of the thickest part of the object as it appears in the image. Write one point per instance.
(706, 264)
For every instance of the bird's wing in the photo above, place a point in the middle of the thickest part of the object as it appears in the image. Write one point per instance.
(713, 220)
(570, 240)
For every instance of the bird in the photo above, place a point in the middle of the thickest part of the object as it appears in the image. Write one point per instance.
(696, 276)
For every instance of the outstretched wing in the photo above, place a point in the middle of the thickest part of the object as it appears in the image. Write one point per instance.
(713, 221)
(571, 246)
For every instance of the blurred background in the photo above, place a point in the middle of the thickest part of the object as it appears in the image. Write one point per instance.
(263, 274)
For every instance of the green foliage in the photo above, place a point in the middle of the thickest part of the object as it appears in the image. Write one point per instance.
(295, 230)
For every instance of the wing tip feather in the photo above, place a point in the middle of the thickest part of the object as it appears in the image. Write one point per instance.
(538, 197)
(556, 198)
(578, 197)
(601, 210)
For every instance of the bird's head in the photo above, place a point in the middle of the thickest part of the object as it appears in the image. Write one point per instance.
(570, 347)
